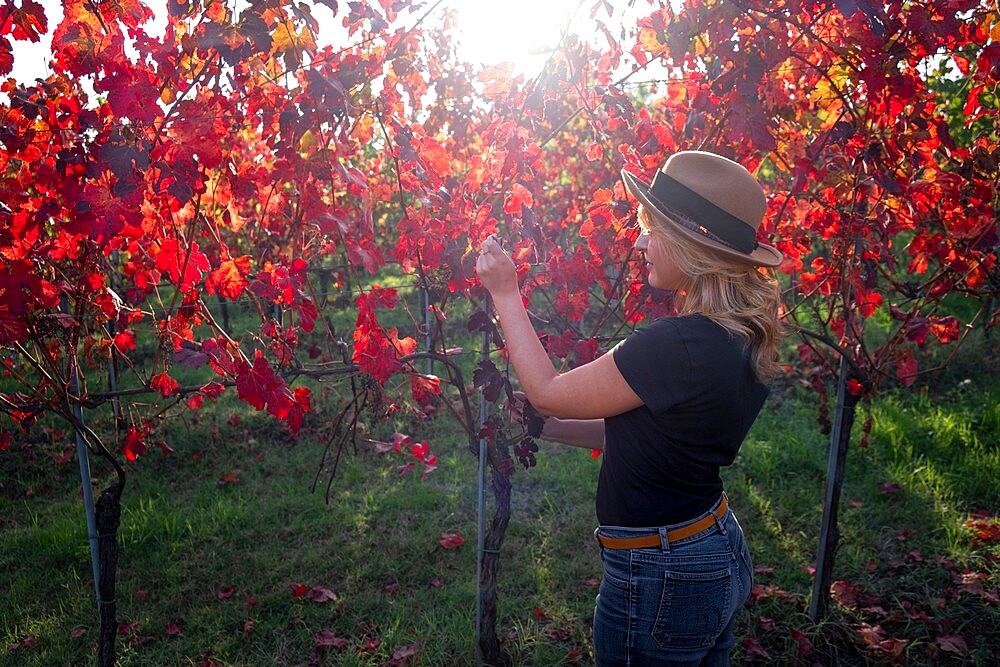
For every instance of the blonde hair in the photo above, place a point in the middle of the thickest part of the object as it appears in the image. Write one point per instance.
(741, 298)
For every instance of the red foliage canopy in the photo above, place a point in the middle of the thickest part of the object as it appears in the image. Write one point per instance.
(243, 158)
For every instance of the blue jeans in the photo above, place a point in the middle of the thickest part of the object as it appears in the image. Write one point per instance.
(675, 604)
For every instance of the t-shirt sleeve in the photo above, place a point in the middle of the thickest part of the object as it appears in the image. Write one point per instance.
(655, 362)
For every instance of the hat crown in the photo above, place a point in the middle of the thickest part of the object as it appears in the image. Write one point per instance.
(721, 181)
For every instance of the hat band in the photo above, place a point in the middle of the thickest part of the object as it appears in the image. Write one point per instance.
(719, 223)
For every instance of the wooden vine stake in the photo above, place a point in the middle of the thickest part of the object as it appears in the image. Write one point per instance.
(840, 438)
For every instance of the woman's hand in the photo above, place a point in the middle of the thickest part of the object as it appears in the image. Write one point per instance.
(495, 269)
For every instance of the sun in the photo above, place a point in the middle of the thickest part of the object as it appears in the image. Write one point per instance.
(520, 32)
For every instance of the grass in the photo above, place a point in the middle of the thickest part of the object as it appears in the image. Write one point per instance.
(216, 537)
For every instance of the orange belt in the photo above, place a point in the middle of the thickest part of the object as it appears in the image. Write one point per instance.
(647, 541)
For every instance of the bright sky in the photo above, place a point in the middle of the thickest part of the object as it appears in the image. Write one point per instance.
(517, 31)
(521, 32)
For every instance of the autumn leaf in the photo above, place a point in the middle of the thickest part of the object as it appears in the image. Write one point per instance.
(327, 639)
(229, 278)
(320, 595)
(517, 200)
(134, 445)
(451, 540)
(125, 341)
(906, 367)
(163, 384)
(752, 649)
(401, 656)
(952, 644)
(803, 646)
(229, 478)
(496, 80)
(487, 376)
(184, 266)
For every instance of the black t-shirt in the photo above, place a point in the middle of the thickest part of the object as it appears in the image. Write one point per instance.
(661, 461)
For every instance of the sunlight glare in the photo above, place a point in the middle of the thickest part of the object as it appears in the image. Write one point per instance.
(519, 32)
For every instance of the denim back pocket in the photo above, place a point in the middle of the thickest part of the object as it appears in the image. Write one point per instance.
(694, 608)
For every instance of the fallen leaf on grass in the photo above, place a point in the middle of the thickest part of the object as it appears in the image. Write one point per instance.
(27, 642)
(451, 540)
(875, 638)
(225, 592)
(845, 594)
(327, 638)
(76, 633)
(888, 488)
(753, 650)
(127, 627)
(971, 582)
(319, 595)
(402, 655)
(229, 478)
(986, 528)
(952, 644)
(762, 592)
(802, 644)
(369, 645)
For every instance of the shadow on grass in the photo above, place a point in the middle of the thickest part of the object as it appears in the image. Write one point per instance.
(913, 583)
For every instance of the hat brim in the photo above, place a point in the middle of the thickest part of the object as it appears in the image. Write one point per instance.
(763, 255)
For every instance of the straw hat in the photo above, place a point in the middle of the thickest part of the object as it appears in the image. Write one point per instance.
(710, 200)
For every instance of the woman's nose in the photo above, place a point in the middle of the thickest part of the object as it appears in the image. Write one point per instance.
(642, 241)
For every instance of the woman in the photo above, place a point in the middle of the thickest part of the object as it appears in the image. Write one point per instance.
(669, 406)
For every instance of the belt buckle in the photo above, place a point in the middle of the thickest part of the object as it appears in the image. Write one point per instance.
(597, 537)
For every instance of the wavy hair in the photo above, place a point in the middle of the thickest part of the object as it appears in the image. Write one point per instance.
(742, 298)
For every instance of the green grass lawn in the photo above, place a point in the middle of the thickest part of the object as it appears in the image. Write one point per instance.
(229, 557)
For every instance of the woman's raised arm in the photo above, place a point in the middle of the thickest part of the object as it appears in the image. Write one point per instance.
(592, 391)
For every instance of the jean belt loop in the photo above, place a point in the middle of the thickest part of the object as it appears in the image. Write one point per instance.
(720, 520)
(664, 542)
